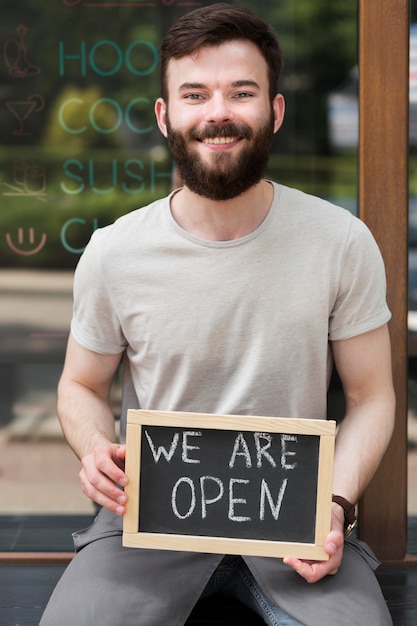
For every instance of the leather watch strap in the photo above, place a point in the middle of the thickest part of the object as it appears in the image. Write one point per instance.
(349, 512)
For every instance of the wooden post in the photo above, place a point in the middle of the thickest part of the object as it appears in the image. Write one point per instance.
(383, 205)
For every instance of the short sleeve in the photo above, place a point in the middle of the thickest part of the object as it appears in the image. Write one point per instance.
(95, 323)
(360, 305)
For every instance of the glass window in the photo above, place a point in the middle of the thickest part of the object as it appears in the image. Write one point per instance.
(80, 147)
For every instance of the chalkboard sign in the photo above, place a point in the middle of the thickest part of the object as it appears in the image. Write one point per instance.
(228, 484)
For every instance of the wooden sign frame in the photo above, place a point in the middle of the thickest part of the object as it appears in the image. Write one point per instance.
(135, 538)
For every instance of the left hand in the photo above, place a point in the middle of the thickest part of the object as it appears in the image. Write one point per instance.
(312, 571)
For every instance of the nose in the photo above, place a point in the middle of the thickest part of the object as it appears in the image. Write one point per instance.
(218, 110)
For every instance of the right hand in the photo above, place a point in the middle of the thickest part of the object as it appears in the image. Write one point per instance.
(102, 474)
(312, 571)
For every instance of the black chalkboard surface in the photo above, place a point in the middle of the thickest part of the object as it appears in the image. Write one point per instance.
(228, 484)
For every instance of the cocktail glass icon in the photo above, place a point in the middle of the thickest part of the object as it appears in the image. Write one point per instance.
(21, 109)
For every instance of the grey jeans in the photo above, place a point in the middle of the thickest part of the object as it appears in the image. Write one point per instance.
(110, 585)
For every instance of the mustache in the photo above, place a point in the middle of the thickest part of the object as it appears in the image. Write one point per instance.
(226, 130)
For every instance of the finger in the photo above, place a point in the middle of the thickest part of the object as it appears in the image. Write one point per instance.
(100, 474)
(110, 464)
(121, 454)
(296, 564)
(118, 454)
(104, 493)
(312, 571)
(303, 568)
(334, 541)
(95, 480)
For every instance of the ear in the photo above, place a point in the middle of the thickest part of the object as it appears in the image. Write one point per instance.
(160, 113)
(278, 105)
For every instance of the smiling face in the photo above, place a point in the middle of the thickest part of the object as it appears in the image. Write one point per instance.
(219, 120)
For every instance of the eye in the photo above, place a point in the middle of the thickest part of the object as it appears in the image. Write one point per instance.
(196, 97)
(243, 94)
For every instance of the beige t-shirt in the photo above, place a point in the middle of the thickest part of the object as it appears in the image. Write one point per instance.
(232, 327)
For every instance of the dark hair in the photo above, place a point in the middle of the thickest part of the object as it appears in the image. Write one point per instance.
(212, 26)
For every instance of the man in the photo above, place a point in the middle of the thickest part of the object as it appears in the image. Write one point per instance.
(233, 295)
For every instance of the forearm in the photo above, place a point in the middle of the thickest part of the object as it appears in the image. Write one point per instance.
(364, 365)
(83, 398)
(361, 442)
(86, 417)
(88, 425)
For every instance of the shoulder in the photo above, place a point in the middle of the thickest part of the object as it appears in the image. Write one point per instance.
(128, 225)
(130, 232)
(112, 247)
(303, 204)
(315, 216)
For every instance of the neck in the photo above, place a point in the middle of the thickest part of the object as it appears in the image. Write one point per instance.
(225, 220)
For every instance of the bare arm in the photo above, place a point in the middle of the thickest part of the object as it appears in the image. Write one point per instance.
(88, 423)
(364, 366)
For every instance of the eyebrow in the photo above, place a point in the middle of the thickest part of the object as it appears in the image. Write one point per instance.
(247, 82)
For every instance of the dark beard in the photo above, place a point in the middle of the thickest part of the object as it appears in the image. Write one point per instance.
(227, 177)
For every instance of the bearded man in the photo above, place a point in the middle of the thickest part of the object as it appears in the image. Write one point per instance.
(233, 295)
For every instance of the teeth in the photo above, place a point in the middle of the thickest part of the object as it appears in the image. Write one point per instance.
(220, 140)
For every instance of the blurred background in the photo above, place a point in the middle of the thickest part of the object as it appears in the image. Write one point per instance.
(80, 147)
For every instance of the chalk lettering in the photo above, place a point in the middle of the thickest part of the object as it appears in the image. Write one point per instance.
(191, 508)
(285, 452)
(186, 446)
(239, 483)
(233, 500)
(156, 453)
(240, 449)
(275, 507)
(212, 491)
(261, 451)
(204, 499)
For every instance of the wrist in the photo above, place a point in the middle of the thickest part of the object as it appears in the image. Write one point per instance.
(349, 514)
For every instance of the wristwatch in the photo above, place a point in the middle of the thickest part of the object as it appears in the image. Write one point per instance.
(349, 511)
